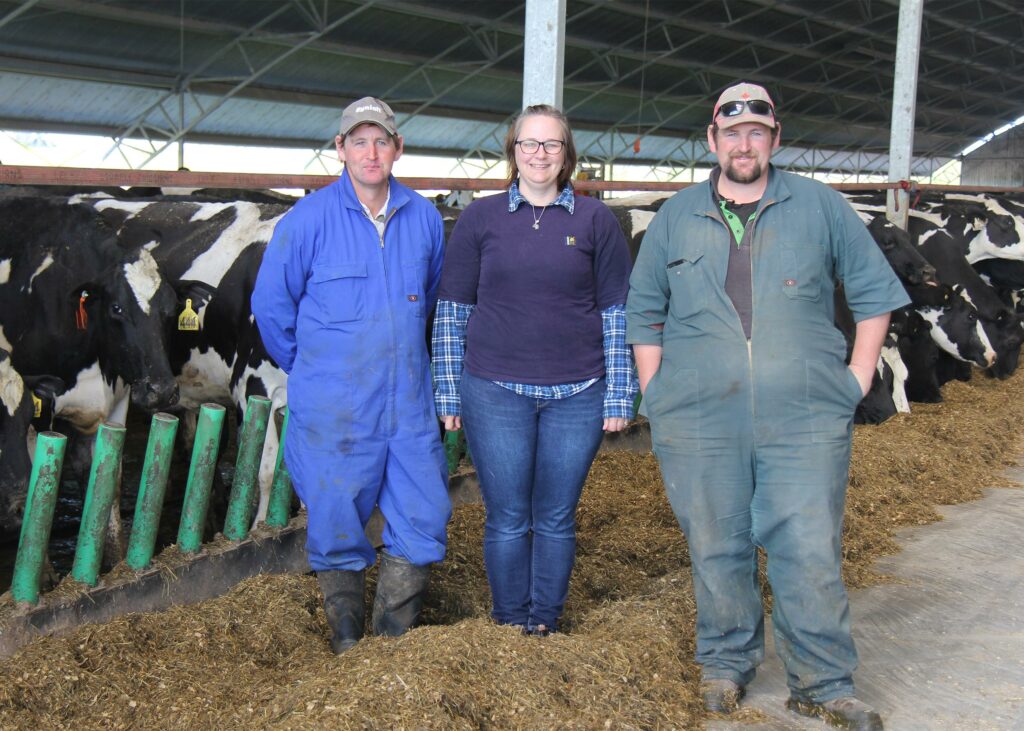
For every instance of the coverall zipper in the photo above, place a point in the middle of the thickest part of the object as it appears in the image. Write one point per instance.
(393, 366)
(750, 344)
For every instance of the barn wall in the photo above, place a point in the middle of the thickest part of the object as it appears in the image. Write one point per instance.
(1000, 162)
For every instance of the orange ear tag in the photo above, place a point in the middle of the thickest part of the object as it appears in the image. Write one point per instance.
(81, 316)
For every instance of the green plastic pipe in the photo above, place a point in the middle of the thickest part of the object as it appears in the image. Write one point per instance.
(245, 486)
(43, 486)
(280, 501)
(99, 497)
(152, 487)
(200, 477)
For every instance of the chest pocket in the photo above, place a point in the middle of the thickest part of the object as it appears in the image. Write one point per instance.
(339, 291)
(801, 272)
(413, 273)
(687, 284)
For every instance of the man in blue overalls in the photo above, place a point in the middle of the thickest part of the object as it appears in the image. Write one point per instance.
(341, 301)
(751, 403)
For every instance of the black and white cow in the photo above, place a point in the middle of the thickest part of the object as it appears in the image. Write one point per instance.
(919, 353)
(76, 306)
(944, 305)
(16, 412)
(24, 403)
(991, 226)
(1000, 322)
(218, 245)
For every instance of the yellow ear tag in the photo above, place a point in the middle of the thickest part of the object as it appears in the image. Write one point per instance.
(37, 407)
(188, 319)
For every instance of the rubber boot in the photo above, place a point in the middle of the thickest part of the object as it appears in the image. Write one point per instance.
(344, 605)
(400, 591)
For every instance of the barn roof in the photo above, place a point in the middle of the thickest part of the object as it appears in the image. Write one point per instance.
(278, 72)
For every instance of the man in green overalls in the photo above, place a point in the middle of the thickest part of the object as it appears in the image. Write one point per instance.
(751, 402)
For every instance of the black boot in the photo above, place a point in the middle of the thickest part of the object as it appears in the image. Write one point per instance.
(400, 590)
(344, 606)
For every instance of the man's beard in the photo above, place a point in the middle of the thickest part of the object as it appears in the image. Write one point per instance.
(737, 177)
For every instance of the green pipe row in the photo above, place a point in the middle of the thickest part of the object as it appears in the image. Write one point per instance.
(104, 477)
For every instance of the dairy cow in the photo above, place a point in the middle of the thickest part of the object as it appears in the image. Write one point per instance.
(947, 313)
(76, 305)
(24, 402)
(990, 226)
(1000, 322)
(219, 245)
(16, 412)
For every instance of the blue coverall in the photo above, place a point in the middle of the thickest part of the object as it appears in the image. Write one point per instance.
(343, 311)
(754, 438)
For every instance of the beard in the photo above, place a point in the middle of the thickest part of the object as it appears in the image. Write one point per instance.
(743, 179)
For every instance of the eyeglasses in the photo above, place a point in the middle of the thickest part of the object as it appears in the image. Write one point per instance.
(552, 147)
(756, 106)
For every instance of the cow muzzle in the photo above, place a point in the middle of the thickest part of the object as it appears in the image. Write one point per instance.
(929, 276)
(155, 395)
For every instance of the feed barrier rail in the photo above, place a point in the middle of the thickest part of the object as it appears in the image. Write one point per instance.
(101, 491)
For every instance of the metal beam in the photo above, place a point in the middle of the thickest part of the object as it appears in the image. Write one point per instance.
(140, 122)
(25, 5)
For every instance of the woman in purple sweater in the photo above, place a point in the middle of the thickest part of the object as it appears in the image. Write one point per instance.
(529, 353)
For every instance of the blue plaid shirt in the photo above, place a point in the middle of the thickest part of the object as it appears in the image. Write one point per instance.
(449, 343)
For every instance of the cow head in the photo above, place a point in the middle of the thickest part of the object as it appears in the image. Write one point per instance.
(128, 306)
(904, 258)
(1007, 335)
(957, 330)
(992, 224)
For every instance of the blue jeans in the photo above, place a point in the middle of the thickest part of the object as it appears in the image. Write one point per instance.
(532, 457)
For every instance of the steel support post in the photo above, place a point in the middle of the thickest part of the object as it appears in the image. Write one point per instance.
(544, 52)
(904, 106)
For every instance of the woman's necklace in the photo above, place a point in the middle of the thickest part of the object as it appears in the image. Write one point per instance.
(536, 218)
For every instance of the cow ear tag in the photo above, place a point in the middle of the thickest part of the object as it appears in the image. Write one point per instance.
(37, 407)
(81, 316)
(188, 319)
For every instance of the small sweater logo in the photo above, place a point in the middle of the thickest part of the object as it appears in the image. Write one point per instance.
(570, 240)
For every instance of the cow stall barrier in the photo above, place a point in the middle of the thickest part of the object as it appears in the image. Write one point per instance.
(102, 488)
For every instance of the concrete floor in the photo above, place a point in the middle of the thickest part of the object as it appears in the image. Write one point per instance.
(944, 648)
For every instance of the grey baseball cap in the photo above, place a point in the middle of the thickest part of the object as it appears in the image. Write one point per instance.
(368, 110)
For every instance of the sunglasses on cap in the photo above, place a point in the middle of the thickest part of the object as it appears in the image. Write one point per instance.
(755, 106)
